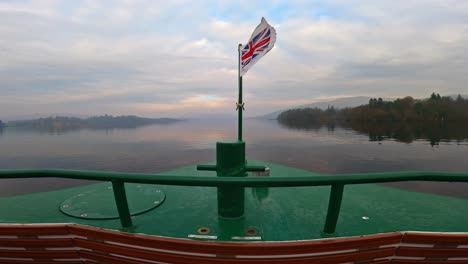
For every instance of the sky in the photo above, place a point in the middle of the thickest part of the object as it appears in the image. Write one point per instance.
(178, 58)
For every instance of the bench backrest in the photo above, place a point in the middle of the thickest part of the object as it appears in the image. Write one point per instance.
(71, 244)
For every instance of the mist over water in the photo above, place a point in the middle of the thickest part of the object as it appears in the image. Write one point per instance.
(157, 148)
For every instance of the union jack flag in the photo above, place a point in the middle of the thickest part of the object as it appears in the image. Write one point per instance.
(261, 42)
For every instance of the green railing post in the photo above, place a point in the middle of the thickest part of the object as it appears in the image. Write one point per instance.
(334, 205)
(122, 203)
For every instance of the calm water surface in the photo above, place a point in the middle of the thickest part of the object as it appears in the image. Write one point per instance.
(161, 147)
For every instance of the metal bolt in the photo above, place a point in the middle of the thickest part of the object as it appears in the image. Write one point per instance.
(251, 231)
(203, 230)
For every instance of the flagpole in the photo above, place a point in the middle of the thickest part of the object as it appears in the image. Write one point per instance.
(240, 104)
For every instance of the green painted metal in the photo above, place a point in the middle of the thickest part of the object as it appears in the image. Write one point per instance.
(210, 167)
(292, 181)
(289, 213)
(234, 182)
(99, 202)
(206, 167)
(230, 162)
(240, 104)
(122, 203)
(253, 168)
(230, 158)
(334, 205)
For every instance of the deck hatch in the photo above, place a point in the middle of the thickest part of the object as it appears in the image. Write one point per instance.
(98, 202)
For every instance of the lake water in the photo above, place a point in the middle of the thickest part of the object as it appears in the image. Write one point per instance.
(157, 148)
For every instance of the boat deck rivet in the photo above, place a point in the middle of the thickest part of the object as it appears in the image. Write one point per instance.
(203, 230)
(251, 231)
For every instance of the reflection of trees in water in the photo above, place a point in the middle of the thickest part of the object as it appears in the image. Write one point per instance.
(309, 126)
(299, 125)
(406, 132)
(434, 119)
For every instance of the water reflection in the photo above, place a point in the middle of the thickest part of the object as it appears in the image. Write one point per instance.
(407, 133)
(323, 149)
(434, 133)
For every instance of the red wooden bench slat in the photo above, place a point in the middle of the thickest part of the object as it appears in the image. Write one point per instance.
(435, 238)
(33, 230)
(367, 247)
(179, 258)
(36, 242)
(413, 261)
(432, 252)
(39, 254)
(39, 262)
(106, 259)
(233, 248)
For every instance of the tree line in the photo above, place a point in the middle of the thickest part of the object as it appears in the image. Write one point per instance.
(97, 122)
(436, 108)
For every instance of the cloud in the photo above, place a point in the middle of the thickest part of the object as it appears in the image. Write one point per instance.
(191, 103)
(153, 58)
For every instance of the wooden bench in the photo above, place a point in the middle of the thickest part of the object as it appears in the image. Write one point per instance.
(432, 248)
(71, 244)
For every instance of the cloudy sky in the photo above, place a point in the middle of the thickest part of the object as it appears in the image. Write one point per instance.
(179, 58)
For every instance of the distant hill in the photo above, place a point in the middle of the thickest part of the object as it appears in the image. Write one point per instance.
(337, 103)
(39, 115)
(97, 122)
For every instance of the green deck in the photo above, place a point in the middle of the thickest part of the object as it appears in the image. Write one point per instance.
(290, 213)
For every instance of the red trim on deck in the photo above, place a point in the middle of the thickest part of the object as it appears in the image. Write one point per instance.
(72, 244)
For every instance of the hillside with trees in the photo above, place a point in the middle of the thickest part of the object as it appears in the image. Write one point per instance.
(434, 109)
(99, 122)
